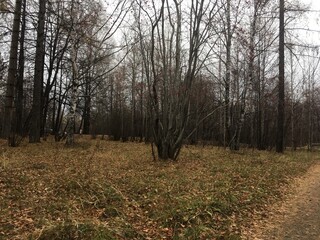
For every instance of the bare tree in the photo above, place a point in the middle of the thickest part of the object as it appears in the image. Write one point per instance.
(77, 20)
(89, 30)
(9, 129)
(74, 95)
(20, 77)
(169, 68)
(57, 44)
(34, 134)
(280, 126)
(227, 120)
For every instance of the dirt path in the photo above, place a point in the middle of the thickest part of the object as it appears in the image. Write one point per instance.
(298, 217)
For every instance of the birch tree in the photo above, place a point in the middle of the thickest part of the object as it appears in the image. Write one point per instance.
(89, 30)
(20, 75)
(79, 21)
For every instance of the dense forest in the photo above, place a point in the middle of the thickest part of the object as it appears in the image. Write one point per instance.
(233, 73)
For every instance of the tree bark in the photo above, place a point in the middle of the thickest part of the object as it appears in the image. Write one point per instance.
(280, 126)
(34, 134)
(74, 96)
(227, 120)
(87, 115)
(20, 78)
(8, 130)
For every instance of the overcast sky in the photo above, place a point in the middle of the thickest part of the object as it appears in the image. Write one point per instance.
(311, 21)
(314, 16)
(315, 4)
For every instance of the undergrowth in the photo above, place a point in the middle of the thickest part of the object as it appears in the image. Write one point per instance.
(112, 190)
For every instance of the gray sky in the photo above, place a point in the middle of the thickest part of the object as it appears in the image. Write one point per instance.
(315, 4)
(308, 24)
(314, 16)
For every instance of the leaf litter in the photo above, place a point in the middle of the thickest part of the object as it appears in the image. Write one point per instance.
(113, 190)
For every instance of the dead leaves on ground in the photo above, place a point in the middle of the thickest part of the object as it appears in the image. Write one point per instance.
(114, 190)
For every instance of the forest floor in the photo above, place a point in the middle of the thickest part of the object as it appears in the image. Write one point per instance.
(297, 217)
(111, 190)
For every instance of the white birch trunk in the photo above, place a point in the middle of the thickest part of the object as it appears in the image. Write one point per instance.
(74, 97)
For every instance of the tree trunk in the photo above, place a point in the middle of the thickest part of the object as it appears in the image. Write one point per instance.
(280, 126)
(9, 122)
(74, 96)
(227, 121)
(87, 107)
(59, 111)
(133, 104)
(292, 102)
(34, 134)
(20, 78)
(87, 115)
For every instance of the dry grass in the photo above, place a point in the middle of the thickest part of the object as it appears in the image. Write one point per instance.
(110, 190)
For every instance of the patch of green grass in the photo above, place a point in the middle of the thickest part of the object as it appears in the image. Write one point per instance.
(81, 231)
(90, 193)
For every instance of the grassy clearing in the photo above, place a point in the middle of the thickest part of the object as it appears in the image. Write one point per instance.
(111, 190)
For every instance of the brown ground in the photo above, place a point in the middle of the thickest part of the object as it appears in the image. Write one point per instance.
(298, 216)
(112, 190)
